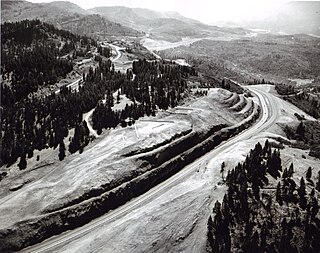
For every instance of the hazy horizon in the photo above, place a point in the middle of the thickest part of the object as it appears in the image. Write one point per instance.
(203, 10)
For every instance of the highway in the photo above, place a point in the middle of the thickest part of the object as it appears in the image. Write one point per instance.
(269, 115)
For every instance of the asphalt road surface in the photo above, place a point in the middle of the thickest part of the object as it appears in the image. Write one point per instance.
(269, 115)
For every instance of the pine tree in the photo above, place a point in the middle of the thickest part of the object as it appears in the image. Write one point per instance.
(314, 207)
(266, 147)
(274, 164)
(256, 191)
(285, 173)
(118, 97)
(62, 150)
(210, 235)
(23, 163)
(279, 194)
(302, 194)
(318, 182)
(309, 173)
(301, 131)
(290, 171)
(223, 165)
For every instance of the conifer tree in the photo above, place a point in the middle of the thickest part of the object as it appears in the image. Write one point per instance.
(302, 194)
(278, 194)
(210, 235)
(222, 169)
(62, 150)
(23, 163)
(301, 131)
(290, 171)
(318, 182)
(309, 173)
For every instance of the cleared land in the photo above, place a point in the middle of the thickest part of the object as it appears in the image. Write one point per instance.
(176, 220)
(120, 155)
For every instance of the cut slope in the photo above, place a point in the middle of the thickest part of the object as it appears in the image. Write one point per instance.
(176, 219)
(104, 168)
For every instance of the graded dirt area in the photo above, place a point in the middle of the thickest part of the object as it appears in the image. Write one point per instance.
(176, 221)
(104, 164)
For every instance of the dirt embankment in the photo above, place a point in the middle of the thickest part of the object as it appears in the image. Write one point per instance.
(165, 162)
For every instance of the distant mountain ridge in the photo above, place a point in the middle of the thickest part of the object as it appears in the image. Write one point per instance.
(68, 6)
(170, 26)
(64, 15)
(101, 22)
(134, 16)
(293, 18)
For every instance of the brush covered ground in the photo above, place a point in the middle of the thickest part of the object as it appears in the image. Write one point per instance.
(267, 56)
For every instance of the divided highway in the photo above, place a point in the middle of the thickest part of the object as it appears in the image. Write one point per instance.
(269, 114)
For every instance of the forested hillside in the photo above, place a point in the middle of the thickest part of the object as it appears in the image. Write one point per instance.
(157, 85)
(64, 15)
(32, 56)
(265, 209)
(305, 100)
(31, 122)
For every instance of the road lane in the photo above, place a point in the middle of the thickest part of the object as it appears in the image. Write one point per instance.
(268, 118)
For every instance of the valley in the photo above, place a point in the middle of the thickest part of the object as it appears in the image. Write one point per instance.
(124, 129)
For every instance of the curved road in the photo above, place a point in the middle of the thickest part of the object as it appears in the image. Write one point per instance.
(269, 116)
(117, 49)
(88, 115)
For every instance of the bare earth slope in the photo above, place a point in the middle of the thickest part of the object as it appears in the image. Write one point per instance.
(175, 220)
(106, 164)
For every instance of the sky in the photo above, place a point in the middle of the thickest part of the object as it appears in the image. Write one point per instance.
(207, 11)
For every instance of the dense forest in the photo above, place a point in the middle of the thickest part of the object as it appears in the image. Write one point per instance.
(35, 54)
(306, 136)
(284, 89)
(303, 100)
(157, 85)
(306, 102)
(31, 122)
(265, 210)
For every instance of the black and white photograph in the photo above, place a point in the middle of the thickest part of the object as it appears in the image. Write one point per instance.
(160, 126)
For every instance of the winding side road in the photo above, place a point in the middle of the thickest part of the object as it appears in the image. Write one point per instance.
(269, 115)
(88, 115)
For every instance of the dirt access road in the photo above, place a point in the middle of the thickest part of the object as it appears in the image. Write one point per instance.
(86, 238)
(88, 115)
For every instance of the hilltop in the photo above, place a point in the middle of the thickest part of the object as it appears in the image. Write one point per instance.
(170, 26)
(292, 18)
(64, 15)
